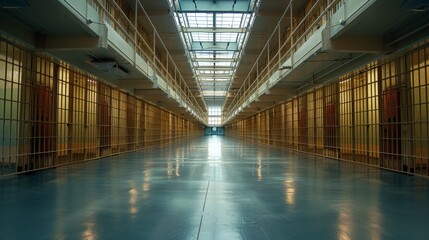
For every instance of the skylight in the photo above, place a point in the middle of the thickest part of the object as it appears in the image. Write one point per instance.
(214, 34)
(215, 115)
(208, 93)
(199, 19)
(215, 121)
(227, 37)
(215, 111)
(202, 37)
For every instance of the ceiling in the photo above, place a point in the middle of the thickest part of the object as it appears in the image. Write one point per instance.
(266, 18)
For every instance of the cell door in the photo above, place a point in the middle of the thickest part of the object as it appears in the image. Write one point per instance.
(330, 125)
(302, 123)
(131, 125)
(330, 129)
(105, 125)
(391, 129)
(42, 130)
(302, 127)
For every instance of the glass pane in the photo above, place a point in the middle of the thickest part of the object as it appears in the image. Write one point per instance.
(199, 20)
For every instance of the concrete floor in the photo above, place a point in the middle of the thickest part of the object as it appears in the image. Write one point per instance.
(214, 188)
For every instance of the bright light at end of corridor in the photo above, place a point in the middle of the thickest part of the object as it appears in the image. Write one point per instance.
(215, 150)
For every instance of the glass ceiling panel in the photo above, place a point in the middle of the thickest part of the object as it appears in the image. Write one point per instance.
(202, 37)
(205, 64)
(214, 54)
(204, 31)
(213, 72)
(203, 54)
(219, 91)
(224, 64)
(215, 111)
(214, 79)
(219, 63)
(202, 20)
(206, 83)
(215, 121)
(232, 20)
(226, 54)
(226, 37)
(214, 93)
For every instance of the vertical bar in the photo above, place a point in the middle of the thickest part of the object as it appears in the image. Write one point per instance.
(279, 46)
(3, 109)
(268, 61)
(425, 157)
(380, 114)
(54, 120)
(70, 125)
(135, 31)
(154, 50)
(291, 31)
(314, 120)
(367, 113)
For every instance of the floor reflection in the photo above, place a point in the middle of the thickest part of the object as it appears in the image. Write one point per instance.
(133, 201)
(289, 185)
(259, 172)
(374, 223)
(146, 181)
(344, 223)
(214, 150)
(89, 233)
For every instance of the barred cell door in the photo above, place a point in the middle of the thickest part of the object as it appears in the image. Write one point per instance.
(303, 129)
(391, 129)
(105, 125)
(331, 129)
(42, 130)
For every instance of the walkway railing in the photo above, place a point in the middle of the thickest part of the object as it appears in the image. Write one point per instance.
(147, 44)
(288, 36)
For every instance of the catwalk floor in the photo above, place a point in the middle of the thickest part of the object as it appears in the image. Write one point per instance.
(214, 188)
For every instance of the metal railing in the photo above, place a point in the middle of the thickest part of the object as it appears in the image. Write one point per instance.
(285, 40)
(152, 50)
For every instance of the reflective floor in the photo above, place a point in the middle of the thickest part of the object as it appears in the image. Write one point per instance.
(214, 188)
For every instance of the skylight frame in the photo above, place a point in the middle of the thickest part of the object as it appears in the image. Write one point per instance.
(214, 39)
(198, 19)
(213, 93)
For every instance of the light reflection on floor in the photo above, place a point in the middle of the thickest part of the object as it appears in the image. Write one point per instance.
(215, 150)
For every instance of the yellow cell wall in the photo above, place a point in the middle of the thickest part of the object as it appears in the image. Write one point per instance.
(375, 115)
(52, 114)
